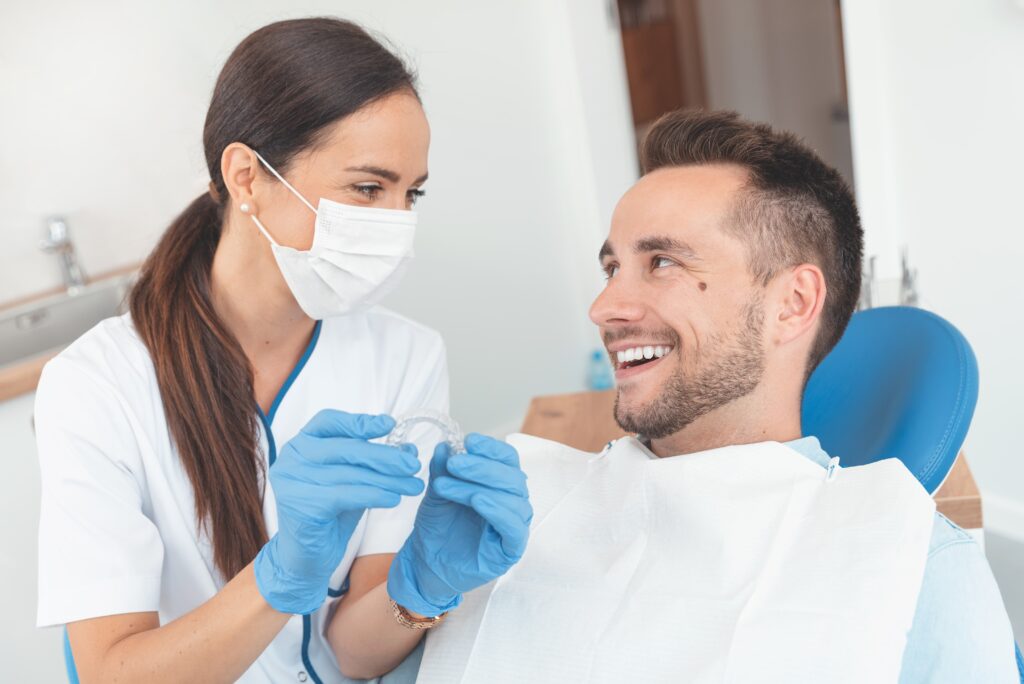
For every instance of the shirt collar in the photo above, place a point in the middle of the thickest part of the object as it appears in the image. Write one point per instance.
(808, 447)
(811, 448)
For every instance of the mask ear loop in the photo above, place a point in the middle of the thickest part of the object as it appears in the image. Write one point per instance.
(288, 185)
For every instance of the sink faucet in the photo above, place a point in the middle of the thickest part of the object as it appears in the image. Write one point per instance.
(59, 242)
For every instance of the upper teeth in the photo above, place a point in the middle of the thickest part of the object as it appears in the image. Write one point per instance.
(637, 353)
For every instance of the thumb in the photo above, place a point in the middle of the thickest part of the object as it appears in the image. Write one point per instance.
(439, 462)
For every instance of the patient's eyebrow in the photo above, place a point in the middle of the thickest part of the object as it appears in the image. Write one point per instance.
(665, 243)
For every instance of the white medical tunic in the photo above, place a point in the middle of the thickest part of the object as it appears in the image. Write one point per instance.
(118, 531)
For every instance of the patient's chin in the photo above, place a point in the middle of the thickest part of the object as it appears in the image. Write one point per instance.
(635, 415)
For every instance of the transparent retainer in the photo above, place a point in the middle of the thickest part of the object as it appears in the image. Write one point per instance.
(448, 427)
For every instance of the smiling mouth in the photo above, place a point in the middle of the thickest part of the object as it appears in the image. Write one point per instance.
(639, 356)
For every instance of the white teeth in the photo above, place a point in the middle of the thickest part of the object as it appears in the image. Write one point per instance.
(641, 353)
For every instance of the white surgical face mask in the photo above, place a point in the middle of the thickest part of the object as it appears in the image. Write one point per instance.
(359, 254)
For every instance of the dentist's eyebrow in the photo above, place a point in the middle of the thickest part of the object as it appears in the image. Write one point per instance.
(606, 250)
(386, 174)
(664, 243)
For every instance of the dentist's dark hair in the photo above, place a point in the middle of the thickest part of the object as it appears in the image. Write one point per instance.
(278, 93)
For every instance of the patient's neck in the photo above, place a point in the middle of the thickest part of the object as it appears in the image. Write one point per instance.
(748, 420)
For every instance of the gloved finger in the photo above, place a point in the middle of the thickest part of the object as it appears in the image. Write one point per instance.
(319, 505)
(332, 423)
(352, 497)
(514, 533)
(439, 462)
(339, 475)
(331, 451)
(515, 510)
(492, 448)
(493, 474)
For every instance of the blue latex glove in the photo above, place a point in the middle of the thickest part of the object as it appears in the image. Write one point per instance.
(471, 527)
(324, 479)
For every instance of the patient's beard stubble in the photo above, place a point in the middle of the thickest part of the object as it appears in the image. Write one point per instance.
(732, 369)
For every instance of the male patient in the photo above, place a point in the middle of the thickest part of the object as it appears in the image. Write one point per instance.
(733, 267)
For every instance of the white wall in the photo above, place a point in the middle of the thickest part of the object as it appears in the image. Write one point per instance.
(103, 104)
(936, 109)
(778, 61)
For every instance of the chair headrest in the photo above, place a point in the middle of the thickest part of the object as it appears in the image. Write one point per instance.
(902, 382)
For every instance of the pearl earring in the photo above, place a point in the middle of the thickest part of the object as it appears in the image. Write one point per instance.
(244, 207)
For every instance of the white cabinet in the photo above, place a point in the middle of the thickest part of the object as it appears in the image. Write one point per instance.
(27, 654)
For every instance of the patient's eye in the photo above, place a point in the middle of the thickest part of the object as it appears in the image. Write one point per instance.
(610, 269)
(662, 262)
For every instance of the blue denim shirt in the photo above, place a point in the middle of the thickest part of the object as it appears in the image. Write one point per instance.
(961, 631)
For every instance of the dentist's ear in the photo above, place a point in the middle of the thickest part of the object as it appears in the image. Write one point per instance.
(238, 166)
(800, 292)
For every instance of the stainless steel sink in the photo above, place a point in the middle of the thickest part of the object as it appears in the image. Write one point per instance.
(53, 322)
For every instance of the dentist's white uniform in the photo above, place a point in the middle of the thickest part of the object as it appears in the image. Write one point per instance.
(118, 532)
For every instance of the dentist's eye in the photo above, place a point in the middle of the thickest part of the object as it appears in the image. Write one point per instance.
(371, 191)
(414, 196)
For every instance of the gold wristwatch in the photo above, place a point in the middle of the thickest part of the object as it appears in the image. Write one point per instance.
(406, 619)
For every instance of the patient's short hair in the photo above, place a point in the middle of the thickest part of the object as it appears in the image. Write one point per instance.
(796, 208)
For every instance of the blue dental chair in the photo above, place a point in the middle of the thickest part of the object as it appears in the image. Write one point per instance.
(930, 380)
(930, 376)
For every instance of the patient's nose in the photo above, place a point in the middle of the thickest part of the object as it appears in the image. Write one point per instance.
(617, 303)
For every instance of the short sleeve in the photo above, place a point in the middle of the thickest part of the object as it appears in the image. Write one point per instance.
(961, 632)
(99, 554)
(387, 528)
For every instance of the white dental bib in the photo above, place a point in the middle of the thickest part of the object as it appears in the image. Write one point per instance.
(742, 564)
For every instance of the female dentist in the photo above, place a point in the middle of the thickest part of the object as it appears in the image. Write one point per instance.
(207, 516)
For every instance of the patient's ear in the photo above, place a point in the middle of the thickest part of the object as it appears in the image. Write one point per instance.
(800, 293)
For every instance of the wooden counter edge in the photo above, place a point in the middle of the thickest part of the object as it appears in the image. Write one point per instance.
(23, 377)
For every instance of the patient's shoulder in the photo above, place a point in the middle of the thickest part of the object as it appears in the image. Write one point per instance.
(961, 631)
(946, 533)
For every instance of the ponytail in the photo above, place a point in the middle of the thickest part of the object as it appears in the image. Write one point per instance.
(205, 382)
(270, 95)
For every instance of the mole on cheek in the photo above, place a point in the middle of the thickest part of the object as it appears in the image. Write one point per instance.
(702, 286)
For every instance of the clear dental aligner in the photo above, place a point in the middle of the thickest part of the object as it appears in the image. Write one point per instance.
(449, 428)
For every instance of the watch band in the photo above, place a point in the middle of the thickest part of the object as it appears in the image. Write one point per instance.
(405, 619)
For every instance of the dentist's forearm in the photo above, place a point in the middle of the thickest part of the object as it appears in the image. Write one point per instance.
(366, 638)
(216, 642)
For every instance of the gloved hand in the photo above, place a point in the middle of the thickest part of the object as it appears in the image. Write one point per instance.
(324, 479)
(471, 527)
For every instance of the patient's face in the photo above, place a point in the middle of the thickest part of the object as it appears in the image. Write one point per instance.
(680, 315)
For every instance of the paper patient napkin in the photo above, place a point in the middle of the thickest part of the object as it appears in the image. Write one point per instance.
(740, 564)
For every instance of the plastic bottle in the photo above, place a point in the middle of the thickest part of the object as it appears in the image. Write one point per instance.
(599, 372)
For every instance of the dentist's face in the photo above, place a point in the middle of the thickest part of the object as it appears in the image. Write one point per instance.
(376, 157)
(680, 315)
